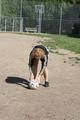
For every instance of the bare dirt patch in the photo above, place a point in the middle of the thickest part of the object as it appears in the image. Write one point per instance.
(61, 101)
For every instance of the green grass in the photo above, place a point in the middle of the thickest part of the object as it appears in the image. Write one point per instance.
(63, 41)
(72, 44)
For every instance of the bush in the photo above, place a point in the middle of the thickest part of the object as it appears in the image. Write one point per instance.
(76, 30)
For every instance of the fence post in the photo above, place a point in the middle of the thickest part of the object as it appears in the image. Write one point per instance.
(21, 24)
(5, 24)
(40, 21)
(13, 26)
(60, 22)
(21, 18)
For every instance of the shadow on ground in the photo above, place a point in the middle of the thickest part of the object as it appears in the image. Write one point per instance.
(17, 80)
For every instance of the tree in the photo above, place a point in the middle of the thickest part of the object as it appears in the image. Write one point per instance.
(70, 1)
(10, 8)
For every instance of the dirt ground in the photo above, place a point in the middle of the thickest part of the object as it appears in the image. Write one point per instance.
(60, 101)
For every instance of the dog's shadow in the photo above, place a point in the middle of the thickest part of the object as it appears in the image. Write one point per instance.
(17, 80)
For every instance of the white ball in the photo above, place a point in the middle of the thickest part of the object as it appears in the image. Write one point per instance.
(33, 84)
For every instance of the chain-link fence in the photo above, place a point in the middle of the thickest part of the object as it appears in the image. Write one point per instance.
(13, 24)
(45, 17)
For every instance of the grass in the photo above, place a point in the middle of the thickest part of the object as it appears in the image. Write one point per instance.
(63, 42)
(60, 41)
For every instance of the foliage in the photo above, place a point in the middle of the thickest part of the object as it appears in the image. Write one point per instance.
(70, 1)
(12, 7)
(76, 30)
